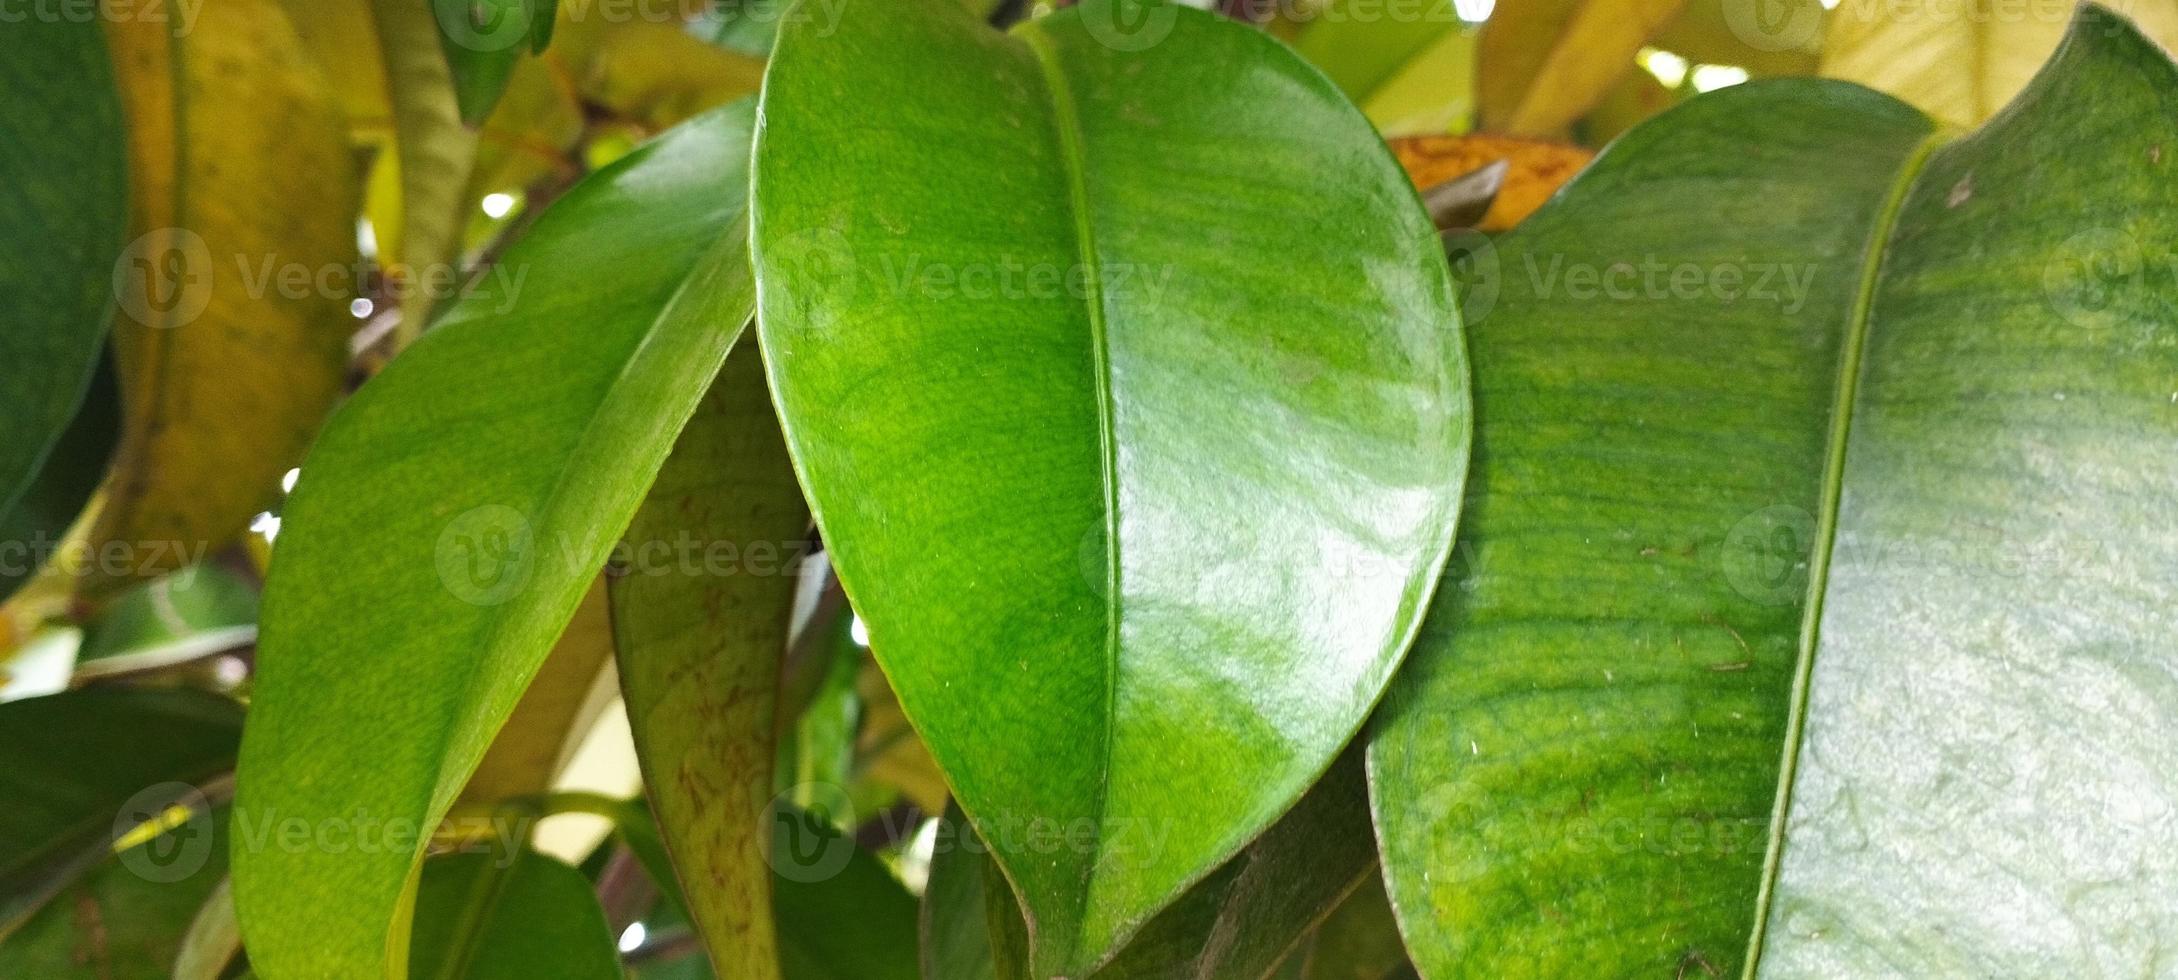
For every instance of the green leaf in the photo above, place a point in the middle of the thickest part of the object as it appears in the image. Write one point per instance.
(558, 709)
(1887, 541)
(84, 767)
(213, 939)
(232, 343)
(954, 922)
(1066, 426)
(1240, 923)
(701, 599)
(130, 917)
(482, 40)
(62, 159)
(518, 916)
(842, 916)
(179, 617)
(445, 527)
(1361, 50)
(32, 530)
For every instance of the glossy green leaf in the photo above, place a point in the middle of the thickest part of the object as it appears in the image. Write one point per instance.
(519, 916)
(62, 162)
(129, 918)
(482, 40)
(558, 710)
(1824, 462)
(1240, 923)
(32, 529)
(1069, 435)
(702, 593)
(82, 768)
(445, 527)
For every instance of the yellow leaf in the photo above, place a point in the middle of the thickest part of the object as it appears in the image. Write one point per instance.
(1962, 60)
(652, 72)
(1537, 169)
(1431, 94)
(1545, 63)
(231, 338)
(389, 71)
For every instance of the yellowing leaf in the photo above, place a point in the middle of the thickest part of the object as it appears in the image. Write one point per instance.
(1962, 60)
(1536, 169)
(385, 63)
(653, 72)
(1544, 63)
(1432, 94)
(231, 337)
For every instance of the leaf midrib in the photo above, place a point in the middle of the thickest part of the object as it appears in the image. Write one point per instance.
(1066, 120)
(1845, 393)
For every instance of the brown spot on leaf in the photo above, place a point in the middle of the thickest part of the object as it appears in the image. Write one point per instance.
(1961, 192)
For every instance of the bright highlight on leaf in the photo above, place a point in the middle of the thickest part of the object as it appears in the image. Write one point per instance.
(1067, 453)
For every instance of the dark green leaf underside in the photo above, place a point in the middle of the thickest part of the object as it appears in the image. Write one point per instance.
(1780, 385)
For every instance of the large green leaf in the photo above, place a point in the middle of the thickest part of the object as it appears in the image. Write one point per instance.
(1092, 362)
(701, 601)
(450, 519)
(62, 160)
(82, 767)
(1820, 462)
(485, 915)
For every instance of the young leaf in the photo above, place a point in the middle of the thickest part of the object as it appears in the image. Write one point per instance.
(447, 524)
(1091, 361)
(700, 633)
(482, 40)
(62, 158)
(82, 766)
(1814, 600)
(492, 916)
(231, 345)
